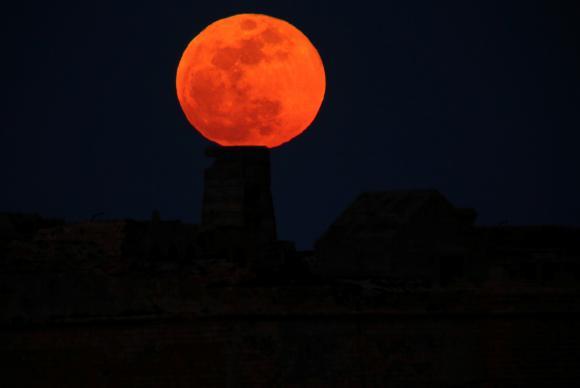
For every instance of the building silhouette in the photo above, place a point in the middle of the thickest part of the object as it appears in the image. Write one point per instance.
(403, 289)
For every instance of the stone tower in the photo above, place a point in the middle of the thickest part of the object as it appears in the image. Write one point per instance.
(237, 215)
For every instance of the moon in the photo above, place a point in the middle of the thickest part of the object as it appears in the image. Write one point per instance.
(250, 80)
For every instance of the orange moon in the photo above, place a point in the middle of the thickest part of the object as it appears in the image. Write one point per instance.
(250, 80)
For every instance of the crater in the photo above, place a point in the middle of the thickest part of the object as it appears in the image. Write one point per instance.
(225, 58)
(272, 35)
(248, 24)
(251, 51)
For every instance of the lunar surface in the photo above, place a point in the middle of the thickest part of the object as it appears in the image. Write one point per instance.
(250, 80)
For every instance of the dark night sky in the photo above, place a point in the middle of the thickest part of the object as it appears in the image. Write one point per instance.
(477, 99)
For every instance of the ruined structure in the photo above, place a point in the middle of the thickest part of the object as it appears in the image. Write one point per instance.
(402, 290)
(237, 193)
(403, 234)
(238, 221)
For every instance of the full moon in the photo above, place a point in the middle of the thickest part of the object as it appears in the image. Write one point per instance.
(250, 80)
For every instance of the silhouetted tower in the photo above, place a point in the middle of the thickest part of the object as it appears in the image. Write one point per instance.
(238, 215)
